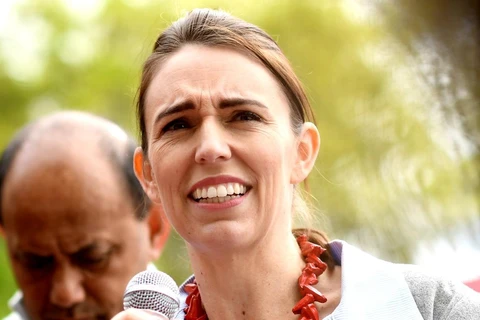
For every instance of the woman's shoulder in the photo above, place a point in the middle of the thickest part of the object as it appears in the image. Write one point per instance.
(439, 297)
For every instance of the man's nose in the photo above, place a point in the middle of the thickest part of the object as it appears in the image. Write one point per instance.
(67, 288)
(213, 145)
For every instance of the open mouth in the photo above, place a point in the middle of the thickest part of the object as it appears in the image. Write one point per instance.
(219, 193)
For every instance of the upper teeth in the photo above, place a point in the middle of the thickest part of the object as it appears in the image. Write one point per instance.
(221, 190)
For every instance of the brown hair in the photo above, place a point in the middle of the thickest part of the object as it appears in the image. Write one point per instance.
(215, 28)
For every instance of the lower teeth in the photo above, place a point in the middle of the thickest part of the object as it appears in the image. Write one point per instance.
(218, 199)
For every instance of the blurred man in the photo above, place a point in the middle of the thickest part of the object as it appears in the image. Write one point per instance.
(74, 218)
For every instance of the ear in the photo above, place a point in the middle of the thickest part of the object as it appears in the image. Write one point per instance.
(159, 229)
(144, 174)
(308, 144)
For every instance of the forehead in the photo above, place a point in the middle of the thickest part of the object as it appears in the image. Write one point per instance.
(72, 191)
(201, 72)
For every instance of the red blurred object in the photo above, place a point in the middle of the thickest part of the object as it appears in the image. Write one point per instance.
(474, 284)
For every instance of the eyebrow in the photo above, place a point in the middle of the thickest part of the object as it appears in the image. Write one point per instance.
(88, 248)
(30, 255)
(225, 103)
(235, 102)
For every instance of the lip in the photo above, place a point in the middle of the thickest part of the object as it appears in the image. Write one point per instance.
(216, 180)
(215, 206)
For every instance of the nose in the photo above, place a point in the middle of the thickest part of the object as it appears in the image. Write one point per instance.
(212, 142)
(67, 287)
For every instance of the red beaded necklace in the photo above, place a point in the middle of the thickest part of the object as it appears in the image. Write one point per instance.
(305, 307)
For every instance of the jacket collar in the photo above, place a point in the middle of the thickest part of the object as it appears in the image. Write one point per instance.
(372, 288)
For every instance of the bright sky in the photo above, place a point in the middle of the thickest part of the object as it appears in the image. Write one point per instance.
(457, 257)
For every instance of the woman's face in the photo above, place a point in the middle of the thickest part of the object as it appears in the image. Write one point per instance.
(221, 152)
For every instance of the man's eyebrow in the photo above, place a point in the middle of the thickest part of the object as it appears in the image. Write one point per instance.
(29, 255)
(92, 247)
(87, 248)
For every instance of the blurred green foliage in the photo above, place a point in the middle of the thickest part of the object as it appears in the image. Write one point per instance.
(392, 170)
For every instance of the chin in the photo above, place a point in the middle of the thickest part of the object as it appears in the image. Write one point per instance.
(224, 237)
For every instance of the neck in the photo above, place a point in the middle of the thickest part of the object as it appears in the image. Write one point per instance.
(239, 284)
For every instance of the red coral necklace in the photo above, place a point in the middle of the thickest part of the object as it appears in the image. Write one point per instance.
(305, 307)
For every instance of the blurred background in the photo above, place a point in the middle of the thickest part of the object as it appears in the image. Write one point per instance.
(395, 86)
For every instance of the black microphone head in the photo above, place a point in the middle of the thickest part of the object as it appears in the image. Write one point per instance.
(152, 290)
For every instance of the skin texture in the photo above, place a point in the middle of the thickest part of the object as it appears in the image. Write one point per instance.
(72, 236)
(214, 115)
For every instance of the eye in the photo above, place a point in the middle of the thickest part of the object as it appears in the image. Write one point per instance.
(177, 124)
(34, 262)
(93, 257)
(246, 116)
(94, 261)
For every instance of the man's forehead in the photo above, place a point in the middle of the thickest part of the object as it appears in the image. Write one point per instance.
(66, 146)
(45, 153)
(63, 167)
(65, 133)
(71, 186)
(67, 219)
(69, 224)
(76, 241)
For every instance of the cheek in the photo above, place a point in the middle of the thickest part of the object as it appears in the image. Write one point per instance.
(31, 280)
(167, 175)
(105, 292)
(136, 244)
(275, 155)
(36, 293)
(170, 167)
(107, 286)
(171, 163)
(168, 161)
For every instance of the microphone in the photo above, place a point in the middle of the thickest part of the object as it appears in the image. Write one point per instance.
(153, 291)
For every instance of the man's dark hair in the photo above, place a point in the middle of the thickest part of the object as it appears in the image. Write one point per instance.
(120, 156)
(7, 158)
(123, 161)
